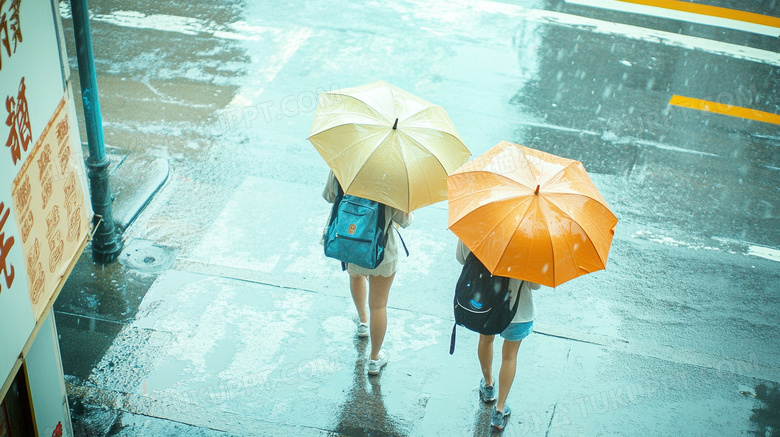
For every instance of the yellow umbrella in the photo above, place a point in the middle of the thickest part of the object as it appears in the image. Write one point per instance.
(387, 145)
(530, 215)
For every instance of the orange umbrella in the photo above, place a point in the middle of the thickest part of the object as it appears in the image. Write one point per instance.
(530, 215)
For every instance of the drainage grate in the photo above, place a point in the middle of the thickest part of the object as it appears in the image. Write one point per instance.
(145, 256)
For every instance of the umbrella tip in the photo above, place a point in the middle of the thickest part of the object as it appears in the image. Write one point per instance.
(395, 126)
(537, 190)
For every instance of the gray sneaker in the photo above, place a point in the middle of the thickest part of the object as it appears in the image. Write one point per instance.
(486, 392)
(374, 366)
(362, 329)
(499, 419)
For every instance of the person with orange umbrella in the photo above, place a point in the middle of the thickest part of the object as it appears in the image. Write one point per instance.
(520, 327)
(531, 216)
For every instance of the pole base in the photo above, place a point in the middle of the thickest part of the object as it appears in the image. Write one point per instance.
(107, 250)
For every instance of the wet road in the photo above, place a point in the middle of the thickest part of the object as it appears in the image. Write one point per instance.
(247, 331)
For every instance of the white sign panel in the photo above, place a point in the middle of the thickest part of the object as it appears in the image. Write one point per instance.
(43, 214)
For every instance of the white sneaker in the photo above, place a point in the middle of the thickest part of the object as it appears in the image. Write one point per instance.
(362, 329)
(374, 366)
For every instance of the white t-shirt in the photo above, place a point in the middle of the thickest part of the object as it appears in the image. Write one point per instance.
(525, 309)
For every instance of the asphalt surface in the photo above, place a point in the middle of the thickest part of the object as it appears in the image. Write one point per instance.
(222, 316)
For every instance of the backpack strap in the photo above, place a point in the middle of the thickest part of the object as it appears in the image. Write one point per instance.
(336, 202)
(452, 338)
(402, 239)
(517, 299)
(333, 211)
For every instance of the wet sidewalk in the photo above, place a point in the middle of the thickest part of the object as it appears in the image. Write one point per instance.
(252, 332)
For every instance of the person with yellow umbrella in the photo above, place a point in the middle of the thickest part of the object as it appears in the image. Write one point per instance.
(387, 145)
(533, 217)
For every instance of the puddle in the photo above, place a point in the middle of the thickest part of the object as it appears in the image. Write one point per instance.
(767, 417)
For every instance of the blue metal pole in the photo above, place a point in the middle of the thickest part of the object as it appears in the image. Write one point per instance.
(106, 242)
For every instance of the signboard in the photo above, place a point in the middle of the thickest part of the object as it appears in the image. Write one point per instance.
(44, 215)
(49, 206)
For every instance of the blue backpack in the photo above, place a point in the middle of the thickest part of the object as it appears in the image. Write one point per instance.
(356, 233)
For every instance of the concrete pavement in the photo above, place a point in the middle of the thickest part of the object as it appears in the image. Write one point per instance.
(222, 316)
(252, 333)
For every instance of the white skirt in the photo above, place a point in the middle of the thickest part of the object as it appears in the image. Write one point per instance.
(386, 269)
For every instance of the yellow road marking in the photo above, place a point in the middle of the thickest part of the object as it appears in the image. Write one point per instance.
(713, 11)
(725, 109)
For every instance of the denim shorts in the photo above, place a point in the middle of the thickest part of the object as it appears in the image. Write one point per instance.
(518, 331)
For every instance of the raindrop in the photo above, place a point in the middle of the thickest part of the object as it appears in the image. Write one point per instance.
(559, 76)
(607, 92)
(630, 110)
(598, 109)
(545, 268)
(650, 83)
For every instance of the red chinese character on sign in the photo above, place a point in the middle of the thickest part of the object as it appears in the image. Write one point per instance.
(20, 136)
(57, 431)
(10, 30)
(5, 248)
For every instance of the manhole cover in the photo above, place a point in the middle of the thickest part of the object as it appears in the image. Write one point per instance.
(147, 257)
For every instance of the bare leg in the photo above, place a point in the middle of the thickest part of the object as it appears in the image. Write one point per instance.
(357, 285)
(507, 373)
(485, 354)
(378, 292)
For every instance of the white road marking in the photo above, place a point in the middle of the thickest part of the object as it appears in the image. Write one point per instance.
(679, 15)
(728, 245)
(288, 41)
(764, 252)
(674, 148)
(184, 25)
(613, 138)
(651, 35)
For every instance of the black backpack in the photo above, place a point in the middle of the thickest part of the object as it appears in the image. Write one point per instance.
(482, 300)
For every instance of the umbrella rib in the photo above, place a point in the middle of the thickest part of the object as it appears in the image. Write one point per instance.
(508, 183)
(552, 249)
(506, 247)
(346, 148)
(368, 158)
(588, 218)
(550, 190)
(378, 124)
(407, 133)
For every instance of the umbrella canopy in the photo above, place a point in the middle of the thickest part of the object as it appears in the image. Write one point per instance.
(387, 145)
(530, 215)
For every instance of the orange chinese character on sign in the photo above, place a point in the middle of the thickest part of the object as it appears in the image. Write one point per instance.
(20, 136)
(5, 248)
(10, 30)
